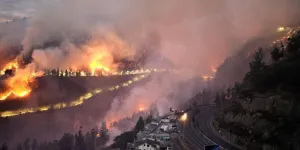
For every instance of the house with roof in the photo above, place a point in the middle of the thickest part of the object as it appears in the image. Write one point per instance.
(147, 145)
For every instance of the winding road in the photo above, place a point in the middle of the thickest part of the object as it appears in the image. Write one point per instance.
(198, 132)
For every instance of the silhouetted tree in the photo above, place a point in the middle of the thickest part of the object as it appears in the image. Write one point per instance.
(61, 73)
(79, 140)
(66, 142)
(222, 96)
(217, 99)
(257, 64)
(276, 54)
(139, 125)
(34, 145)
(19, 147)
(77, 73)
(4, 147)
(122, 140)
(282, 47)
(93, 139)
(57, 72)
(293, 44)
(148, 119)
(26, 144)
(53, 72)
(228, 91)
(66, 73)
(104, 132)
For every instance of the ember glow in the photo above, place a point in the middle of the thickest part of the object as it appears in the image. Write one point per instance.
(213, 68)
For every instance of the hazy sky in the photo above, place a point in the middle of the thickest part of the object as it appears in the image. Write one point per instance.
(192, 33)
(14, 9)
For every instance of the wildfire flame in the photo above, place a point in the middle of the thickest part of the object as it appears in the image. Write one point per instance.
(11, 65)
(73, 103)
(102, 53)
(19, 84)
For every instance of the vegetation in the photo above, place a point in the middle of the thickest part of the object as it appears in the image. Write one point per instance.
(264, 108)
(67, 142)
(129, 136)
(139, 125)
(90, 141)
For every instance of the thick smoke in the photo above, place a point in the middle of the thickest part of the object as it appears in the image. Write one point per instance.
(190, 34)
(194, 35)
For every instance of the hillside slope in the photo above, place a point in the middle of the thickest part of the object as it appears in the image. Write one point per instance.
(263, 110)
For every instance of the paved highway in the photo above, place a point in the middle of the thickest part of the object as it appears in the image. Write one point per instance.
(194, 139)
(198, 131)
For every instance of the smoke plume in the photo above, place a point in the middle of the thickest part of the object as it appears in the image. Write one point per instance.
(190, 34)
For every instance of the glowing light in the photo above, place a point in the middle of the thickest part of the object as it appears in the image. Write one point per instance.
(141, 109)
(184, 117)
(280, 29)
(213, 68)
(207, 77)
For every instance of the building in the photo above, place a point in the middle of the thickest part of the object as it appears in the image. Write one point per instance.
(141, 136)
(165, 120)
(156, 122)
(155, 136)
(172, 118)
(163, 137)
(147, 145)
(150, 127)
(164, 128)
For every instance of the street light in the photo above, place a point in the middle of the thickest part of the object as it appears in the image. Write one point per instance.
(183, 118)
(280, 29)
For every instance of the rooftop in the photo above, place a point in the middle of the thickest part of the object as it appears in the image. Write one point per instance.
(148, 141)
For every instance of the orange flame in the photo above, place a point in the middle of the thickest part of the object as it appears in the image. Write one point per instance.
(102, 53)
(11, 65)
(18, 85)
